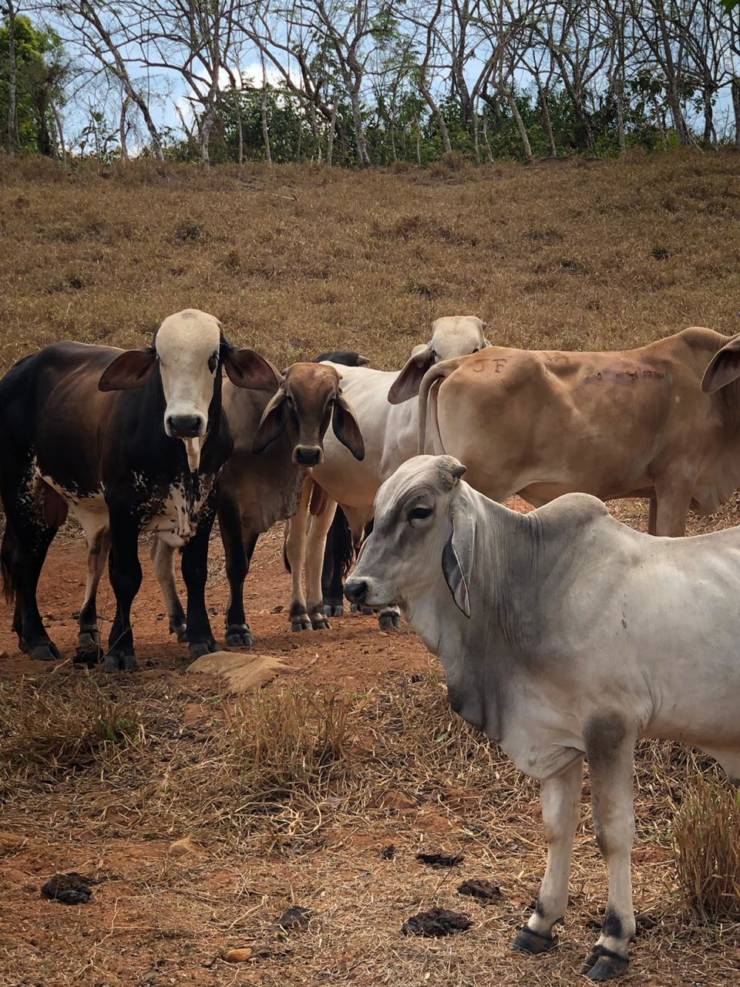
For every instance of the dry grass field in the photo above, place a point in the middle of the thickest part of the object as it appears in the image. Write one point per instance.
(204, 817)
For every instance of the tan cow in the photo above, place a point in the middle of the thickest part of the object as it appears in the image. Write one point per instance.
(627, 423)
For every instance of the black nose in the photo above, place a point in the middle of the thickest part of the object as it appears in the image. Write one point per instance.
(307, 455)
(184, 426)
(355, 590)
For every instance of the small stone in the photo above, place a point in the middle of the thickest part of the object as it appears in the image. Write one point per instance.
(295, 919)
(239, 955)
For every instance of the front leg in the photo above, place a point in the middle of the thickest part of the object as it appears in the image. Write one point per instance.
(195, 574)
(610, 752)
(295, 558)
(560, 797)
(125, 575)
(315, 548)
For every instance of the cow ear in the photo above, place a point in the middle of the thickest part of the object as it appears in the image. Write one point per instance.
(407, 384)
(457, 558)
(272, 423)
(246, 368)
(724, 367)
(346, 428)
(129, 370)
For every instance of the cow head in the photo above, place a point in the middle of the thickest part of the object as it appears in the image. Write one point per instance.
(455, 335)
(308, 398)
(422, 524)
(724, 367)
(188, 352)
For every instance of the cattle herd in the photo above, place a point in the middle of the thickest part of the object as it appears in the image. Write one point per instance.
(564, 634)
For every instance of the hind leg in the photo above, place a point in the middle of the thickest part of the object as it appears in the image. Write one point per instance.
(89, 650)
(163, 558)
(23, 553)
(315, 548)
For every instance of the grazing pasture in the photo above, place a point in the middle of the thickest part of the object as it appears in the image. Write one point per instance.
(204, 818)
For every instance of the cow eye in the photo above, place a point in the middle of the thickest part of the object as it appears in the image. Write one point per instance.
(213, 362)
(419, 513)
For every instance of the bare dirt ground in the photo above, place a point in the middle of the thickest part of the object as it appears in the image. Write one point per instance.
(162, 812)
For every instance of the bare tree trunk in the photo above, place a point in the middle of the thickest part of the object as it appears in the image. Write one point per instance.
(489, 149)
(12, 128)
(547, 120)
(263, 113)
(330, 137)
(736, 108)
(418, 142)
(239, 129)
(363, 158)
(511, 100)
(122, 129)
(60, 132)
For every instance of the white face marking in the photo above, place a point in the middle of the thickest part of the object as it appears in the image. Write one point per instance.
(186, 343)
(457, 335)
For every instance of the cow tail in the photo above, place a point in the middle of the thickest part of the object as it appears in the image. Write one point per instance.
(286, 532)
(430, 439)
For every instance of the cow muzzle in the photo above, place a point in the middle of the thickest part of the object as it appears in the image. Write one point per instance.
(356, 591)
(185, 426)
(307, 455)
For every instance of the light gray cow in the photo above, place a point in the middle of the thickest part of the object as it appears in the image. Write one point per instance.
(564, 634)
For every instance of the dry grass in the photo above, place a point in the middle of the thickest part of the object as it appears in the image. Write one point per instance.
(298, 259)
(707, 838)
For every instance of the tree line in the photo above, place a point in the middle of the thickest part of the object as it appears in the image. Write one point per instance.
(369, 82)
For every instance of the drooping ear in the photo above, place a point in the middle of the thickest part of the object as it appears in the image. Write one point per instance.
(458, 555)
(346, 428)
(272, 423)
(724, 367)
(248, 369)
(129, 370)
(406, 385)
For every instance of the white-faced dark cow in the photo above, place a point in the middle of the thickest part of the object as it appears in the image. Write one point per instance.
(127, 441)
(564, 634)
(278, 437)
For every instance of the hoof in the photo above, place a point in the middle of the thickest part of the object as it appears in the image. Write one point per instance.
(199, 648)
(531, 942)
(300, 622)
(318, 621)
(608, 965)
(42, 651)
(180, 631)
(88, 651)
(389, 621)
(239, 637)
(333, 609)
(120, 663)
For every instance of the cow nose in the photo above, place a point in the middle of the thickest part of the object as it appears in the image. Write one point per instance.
(184, 426)
(308, 455)
(355, 590)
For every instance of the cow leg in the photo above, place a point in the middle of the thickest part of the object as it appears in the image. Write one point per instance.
(315, 547)
(295, 557)
(24, 547)
(124, 570)
(560, 797)
(338, 556)
(653, 515)
(88, 643)
(195, 574)
(238, 548)
(672, 506)
(610, 752)
(163, 559)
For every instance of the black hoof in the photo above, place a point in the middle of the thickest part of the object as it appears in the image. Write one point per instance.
(318, 621)
(120, 663)
(300, 622)
(239, 637)
(180, 630)
(199, 648)
(88, 651)
(41, 651)
(609, 966)
(389, 621)
(531, 942)
(333, 609)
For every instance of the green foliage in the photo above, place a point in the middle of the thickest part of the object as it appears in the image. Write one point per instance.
(40, 77)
